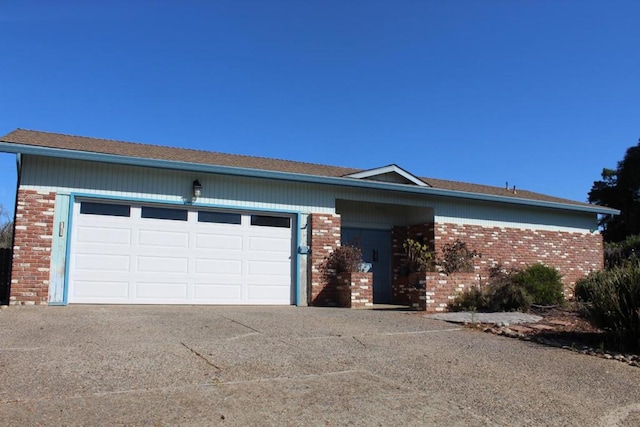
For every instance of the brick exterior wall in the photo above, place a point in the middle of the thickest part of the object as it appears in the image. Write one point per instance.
(410, 290)
(574, 255)
(431, 292)
(32, 248)
(324, 237)
(355, 290)
(442, 289)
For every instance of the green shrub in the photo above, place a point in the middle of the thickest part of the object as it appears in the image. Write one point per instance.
(470, 299)
(621, 252)
(501, 293)
(543, 283)
(419, 256)
(611, 300)
(504, 293)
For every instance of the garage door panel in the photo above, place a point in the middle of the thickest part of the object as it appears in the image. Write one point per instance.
(162, 264)
(221, 293)
(161, 291)
(218, 266)
(219, 241)
(102, 262)
(92, 290)
(266, 293)
(265, 268)
(163, 239)
(103, 235)
(269, 244)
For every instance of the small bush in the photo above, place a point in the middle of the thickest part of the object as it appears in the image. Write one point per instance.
(470, 299)
(543, 283)
(419, 257)
(344, 259)
(611, 300)
(457, 257)
(501, 293)
(504, 293)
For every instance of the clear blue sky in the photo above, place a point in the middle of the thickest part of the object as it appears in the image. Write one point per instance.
(542, 94)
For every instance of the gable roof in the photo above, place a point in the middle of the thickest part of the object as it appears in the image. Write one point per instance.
(389, 171)
(55, 144)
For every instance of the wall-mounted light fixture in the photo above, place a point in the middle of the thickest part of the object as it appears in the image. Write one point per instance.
(197, 189)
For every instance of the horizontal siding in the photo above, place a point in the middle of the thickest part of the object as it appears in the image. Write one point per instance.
(487, 215)
(380, 216)
(73, 176)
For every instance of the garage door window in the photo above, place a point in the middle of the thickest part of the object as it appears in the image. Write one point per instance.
(108, 209)
(164, 213)
(219, 217)
(270, 221)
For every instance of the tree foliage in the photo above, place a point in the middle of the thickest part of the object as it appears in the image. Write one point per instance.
(6, 229)
(620, 189)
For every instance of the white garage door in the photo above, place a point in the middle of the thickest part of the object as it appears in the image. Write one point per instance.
(146, 254)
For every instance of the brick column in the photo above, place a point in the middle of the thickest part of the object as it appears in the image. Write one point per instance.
(32, 248)
(355, 290)
(324, 237)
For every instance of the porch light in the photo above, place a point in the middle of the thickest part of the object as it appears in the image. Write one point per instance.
(197, 189)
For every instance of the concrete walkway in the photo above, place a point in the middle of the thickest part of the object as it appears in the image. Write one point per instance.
(502, 318)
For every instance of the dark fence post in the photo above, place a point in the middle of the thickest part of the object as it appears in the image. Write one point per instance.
(5, 275)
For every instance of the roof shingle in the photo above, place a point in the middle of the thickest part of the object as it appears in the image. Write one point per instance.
(147, 151)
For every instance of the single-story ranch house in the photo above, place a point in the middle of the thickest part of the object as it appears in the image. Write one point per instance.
(109, 222)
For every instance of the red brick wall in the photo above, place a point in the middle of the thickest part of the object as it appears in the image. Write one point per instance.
(32, 248)
(573, 254)
(442, 289)
(355, 290)
(324, 237)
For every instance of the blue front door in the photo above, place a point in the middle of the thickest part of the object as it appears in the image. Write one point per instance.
(376, 249)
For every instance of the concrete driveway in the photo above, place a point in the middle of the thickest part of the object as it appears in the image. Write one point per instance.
(165, 365)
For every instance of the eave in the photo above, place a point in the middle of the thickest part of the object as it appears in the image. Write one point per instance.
(293, 177)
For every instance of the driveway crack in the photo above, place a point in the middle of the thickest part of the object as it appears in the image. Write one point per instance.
(241, 324)
(361, 343)
(207, 361)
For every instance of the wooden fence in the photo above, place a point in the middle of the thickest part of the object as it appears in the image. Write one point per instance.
(5, 274)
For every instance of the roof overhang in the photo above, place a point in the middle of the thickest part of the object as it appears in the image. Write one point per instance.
(10, 147)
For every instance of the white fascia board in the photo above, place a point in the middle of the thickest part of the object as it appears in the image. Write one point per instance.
(388, 169)
(290, 176)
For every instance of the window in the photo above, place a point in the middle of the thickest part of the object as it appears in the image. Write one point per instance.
(219, 217)
(164, 213)
(270, 221)
(108, 209)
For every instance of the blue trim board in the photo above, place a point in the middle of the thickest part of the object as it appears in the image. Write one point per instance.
(296, 217)
(297, 260)
(288, 176)
(67, 256)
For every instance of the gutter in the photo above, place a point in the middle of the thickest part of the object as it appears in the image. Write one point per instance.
(10, 147)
